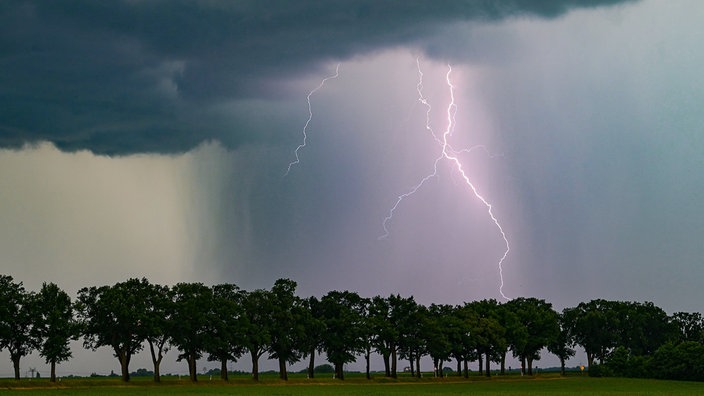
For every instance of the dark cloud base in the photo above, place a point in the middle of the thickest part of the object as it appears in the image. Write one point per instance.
(126, 77)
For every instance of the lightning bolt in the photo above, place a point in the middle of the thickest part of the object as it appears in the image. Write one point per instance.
(451, 155)
(310, 118)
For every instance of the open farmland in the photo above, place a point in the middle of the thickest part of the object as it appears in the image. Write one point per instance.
(357, 385)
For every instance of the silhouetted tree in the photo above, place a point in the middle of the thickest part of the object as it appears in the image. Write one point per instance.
(342, 340)
(54, 326)
(595, 328)
(562, 345)
(619, 338)
(257, 326)
(688, 326)
(225, 339)
(115, 316)
(313, 333)
(464, 344)
(540, 326)
(367, 335)
(412, 345)
(679, 361)
(287, 329)
(488, 332)
(16, 320)
(438, 329)
(158, 323)
(642, 327)
(193, 304)
(385, 335)
(402, 309)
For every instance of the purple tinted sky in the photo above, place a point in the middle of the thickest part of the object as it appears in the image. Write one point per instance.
(140, 141)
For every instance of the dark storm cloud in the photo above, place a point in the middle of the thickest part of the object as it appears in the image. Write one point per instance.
(123, 77)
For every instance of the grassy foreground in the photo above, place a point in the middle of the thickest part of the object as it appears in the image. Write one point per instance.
(549, 384)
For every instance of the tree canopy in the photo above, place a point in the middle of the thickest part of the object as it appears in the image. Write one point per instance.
(223, 322)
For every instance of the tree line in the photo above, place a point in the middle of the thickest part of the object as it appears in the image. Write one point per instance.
(223, 323)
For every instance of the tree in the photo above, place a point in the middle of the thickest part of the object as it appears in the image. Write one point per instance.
(287, 326)
(401, 317)
(55, 325)
(367, 335)
(688, 326)
(115, 316)
(437, 330)
(257, 325)
(595, 328)
(388, 319)
(385, 335)
(157, 323)
(414, 345)
(515, 334)
(600, 326)
(562, 345)
(682, 361)
(643, 327)
(314, 327)
(225, 339)
(464, 344)
(16, 319)
(540, 326)
(342, 340)
(489, 334)
(192, 309)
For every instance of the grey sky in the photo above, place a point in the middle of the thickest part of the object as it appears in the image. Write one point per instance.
(172, 65)
(590, 116)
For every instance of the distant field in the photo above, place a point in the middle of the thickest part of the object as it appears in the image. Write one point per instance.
(356, 385)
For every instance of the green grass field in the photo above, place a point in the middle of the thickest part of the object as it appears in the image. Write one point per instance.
(549, 384)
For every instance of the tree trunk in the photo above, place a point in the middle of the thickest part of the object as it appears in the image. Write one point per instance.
(393, 363)
(459, 367)
(441, 372)
(223, 369)
(562, 366)
(311, 364)
(16, 365)
(466, 369)
(411, 360)
(156, 360)
(590, 360)
(124, 359)
(192, 370)
(523, 365)
(481, 365)
(387, 367)
(418, 374)
(503, 363)
(488, 365)
(255, 366)
(53, 371)
(367, 356)
(530, 366)
(157, 372)
(283, 374)
(339, 372)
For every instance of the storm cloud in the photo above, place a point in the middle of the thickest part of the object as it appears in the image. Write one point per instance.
(128, 77)
(151, 138)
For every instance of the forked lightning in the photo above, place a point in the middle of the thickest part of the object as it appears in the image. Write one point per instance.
(449, 154)
(310, 118)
